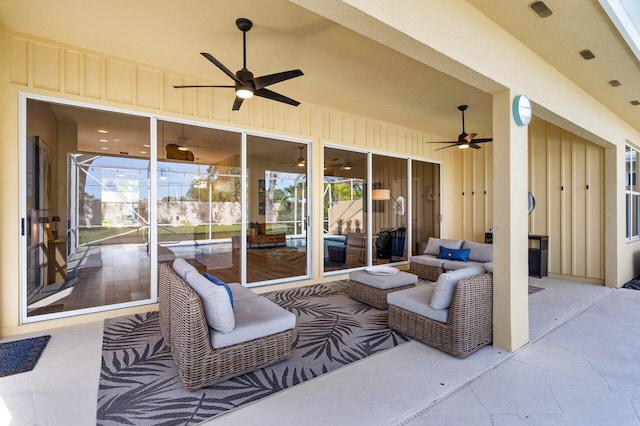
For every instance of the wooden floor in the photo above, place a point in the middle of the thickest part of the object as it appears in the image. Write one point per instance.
(119, 273)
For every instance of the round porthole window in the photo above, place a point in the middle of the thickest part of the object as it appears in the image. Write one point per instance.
(531, 203)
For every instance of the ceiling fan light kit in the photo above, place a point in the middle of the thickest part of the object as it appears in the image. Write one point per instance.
(245, 84)
(465, 140)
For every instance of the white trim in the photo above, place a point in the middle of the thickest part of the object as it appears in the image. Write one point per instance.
(153, 212)
(244, 195)
(22, 197)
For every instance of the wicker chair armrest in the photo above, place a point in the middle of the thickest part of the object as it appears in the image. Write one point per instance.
(472, 304)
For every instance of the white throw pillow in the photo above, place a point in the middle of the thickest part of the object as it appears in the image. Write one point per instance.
(433, 245)
(182, 268)
(446, 285)
(215, 302)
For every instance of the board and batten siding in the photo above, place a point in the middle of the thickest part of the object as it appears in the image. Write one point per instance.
(566, 177)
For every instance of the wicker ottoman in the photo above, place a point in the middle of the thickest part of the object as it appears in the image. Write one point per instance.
(373, 289)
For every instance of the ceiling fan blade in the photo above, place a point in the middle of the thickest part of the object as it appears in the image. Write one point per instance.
(443, 142)
(468, 138)
(237, 103)
(482, 140)
(267, 80)
(266, 93)
(192, 86)
(224, 69)
(474, 146)
(444, 147)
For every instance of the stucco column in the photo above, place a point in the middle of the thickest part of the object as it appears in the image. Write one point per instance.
(510, 231)
(614, 213)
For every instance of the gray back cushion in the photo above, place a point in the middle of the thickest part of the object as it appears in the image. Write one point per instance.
(433, 245)
(446, 285)
(480, 252)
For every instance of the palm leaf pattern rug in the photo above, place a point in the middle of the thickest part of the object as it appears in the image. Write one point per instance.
(139, 383)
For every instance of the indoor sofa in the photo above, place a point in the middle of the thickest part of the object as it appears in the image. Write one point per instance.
(433, 262)
(217, 332)
(258, 236)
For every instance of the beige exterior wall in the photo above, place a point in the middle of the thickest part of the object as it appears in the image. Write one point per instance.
(44, 67)
(49, 68)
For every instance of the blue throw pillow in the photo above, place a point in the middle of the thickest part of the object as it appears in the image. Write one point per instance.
(218, 281)
(454, 254)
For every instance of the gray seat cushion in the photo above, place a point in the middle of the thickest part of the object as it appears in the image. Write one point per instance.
(433, 245)
(446, 285)
(384, 282)
(452, 265)
(255, 317)
(239, 292)
(480, 252)
(416, 300)
(428, 259)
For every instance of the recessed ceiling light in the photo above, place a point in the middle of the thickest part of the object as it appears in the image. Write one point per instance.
(117, 140)
(615, 83)
(147, 146)
(104, 147)
(635, 102)
(104, 140)
(540, 9)
(143, 152)
(587, 54)
(103, 131)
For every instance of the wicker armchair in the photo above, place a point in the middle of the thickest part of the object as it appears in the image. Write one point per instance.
(469, 323)
(185, 329)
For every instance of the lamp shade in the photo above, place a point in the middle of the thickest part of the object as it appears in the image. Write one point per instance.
(55, 219)
(380, 194)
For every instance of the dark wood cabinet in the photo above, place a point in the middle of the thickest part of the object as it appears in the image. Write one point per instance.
(538, 255)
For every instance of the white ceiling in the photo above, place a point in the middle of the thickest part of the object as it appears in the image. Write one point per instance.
(343, 69)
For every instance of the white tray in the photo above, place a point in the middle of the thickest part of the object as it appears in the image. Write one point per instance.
(382, 270)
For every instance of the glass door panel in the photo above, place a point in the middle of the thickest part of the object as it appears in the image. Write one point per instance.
(277, 209)
(425, 204)
(389, 215)
(345, 218)
(87, 192)
(199, 198)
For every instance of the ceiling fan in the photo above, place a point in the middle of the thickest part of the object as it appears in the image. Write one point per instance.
(246, 85)
(465, 140)
(300, 162)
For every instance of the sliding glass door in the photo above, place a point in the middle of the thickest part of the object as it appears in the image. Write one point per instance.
(345, 219)
(85, 210)
(199, 198)
(277, 210)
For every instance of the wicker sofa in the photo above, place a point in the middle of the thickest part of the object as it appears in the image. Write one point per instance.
(205, 356)
(429, 266)
(463, 327)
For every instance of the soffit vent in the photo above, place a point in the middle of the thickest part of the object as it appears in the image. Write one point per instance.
(541, 9)
(587, 54)
(615, 83)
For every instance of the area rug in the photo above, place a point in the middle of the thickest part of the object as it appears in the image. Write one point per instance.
(287, 254)
(139, 382)
(21, 355)
(534, 289)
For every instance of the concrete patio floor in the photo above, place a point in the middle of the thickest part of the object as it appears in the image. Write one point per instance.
(581, 367)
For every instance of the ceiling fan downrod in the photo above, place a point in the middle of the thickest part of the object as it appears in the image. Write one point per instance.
(244, 25)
